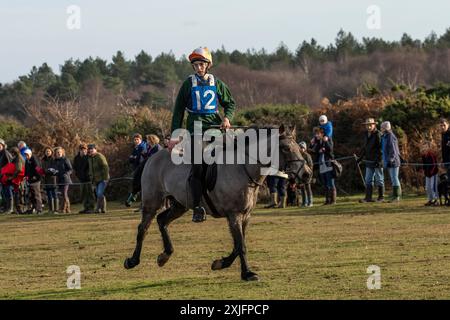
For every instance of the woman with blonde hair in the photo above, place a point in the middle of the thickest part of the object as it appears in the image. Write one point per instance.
(63, 171)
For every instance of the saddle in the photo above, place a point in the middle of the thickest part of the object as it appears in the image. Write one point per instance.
(209, 177)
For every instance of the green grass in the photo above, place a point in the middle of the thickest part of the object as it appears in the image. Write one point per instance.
(315, 253)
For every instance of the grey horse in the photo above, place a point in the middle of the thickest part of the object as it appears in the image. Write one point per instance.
(163, 179)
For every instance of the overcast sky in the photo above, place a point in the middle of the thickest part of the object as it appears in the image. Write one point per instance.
(33, 32)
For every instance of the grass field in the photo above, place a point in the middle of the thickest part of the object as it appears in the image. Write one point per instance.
(315, 253)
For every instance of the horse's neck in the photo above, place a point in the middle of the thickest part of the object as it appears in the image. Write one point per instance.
(254, 170)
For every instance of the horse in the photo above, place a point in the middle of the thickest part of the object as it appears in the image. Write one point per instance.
(163, 179)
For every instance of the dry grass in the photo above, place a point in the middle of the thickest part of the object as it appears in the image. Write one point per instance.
(317, 253)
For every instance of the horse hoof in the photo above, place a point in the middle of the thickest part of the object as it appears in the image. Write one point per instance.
(250, 276)
(129, 263)
(217, 265)
(162, 259)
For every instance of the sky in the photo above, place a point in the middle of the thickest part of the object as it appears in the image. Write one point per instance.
(34, 32)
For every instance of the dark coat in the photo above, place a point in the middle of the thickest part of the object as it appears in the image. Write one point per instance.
(391, 152)
(371, 151)
(430, 167)
(49, 178)
(81, 167)
(152, 151)
(64, 168)
(138, 154)
(31, 170)
(321, 146)
(445, 145)
(5, 158)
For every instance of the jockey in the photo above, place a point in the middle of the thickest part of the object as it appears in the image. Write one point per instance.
(200, 95)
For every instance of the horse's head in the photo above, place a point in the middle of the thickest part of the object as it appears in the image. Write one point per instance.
(290, 158)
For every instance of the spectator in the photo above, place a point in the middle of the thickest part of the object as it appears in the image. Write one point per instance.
(81, 167)
(33, 173)
(136, 158)
(327, 127)
(371, 153)
(49, 168)
(291, 191)
(166, 141)
(22, 148)
(277, 186)
(63, 171)
(305, 188)
(445, 144)
(391, 159)
(99, 176)
(6, 191)
(139, 151)
(430, 170)
(152, 147)
(323, 148)
(12, 176)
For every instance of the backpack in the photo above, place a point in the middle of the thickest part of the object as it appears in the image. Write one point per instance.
(337, 166)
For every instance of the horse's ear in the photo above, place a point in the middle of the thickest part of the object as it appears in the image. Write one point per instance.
(281, 129)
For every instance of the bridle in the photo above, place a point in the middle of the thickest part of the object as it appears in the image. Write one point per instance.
(260, 184)
(297, 173)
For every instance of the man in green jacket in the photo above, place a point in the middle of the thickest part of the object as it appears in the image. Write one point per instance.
(98, 175)
(200, 95)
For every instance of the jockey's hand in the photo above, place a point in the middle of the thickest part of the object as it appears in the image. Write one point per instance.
(172, 143)
(226, 123)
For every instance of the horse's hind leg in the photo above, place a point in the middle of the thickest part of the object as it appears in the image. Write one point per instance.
(175, 211)
(147, 218)
(224, 262)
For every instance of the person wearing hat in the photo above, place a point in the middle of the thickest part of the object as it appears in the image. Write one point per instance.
(33, 174)
(81, 168)
(327, 127)
(98, 175)
(200, 97)
(6, 191)
(372, 156)
(305, 188)
(391, 159)
(22, 148)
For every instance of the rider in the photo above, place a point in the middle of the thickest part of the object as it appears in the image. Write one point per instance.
(200, 95)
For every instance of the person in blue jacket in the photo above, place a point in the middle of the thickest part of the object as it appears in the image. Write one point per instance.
(391, 159)
(23, 148)
(136, 158)
(327, 127)
(152, 147)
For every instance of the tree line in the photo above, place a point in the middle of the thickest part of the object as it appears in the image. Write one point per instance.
(340, 70)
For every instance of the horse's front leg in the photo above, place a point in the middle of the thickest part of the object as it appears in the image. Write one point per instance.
(147, 218)
(235, 223)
